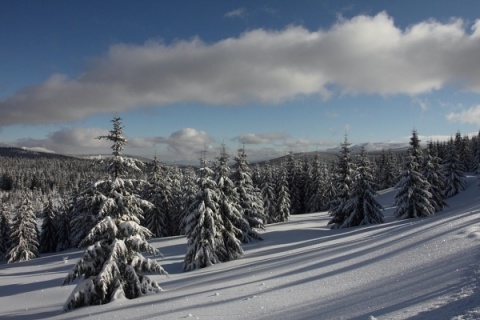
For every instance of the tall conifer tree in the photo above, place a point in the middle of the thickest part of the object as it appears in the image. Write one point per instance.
(113, 265)
(453, 171)
(283, 204)
(202, 224)
(49, 231)
(361, 206)
(249, 197)
(268, 193)
(229, 210)
(343, 182)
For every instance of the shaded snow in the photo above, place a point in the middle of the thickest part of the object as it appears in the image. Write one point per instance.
(411, 269)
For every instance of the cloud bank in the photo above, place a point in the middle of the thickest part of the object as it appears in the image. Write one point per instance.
(470, 115)
(365, 54)
(69, 141)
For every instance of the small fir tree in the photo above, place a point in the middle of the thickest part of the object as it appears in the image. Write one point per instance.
(24, 233)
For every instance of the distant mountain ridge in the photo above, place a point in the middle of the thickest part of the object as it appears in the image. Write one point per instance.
(375, 147)
(8, 151)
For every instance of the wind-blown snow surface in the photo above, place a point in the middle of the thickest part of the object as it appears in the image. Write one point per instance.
(410, 269)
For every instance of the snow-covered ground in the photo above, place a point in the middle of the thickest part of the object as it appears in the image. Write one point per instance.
(410, 269)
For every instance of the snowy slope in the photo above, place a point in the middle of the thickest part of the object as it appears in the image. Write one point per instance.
(410, 269)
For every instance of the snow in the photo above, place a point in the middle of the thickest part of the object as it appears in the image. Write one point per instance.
(417, 269)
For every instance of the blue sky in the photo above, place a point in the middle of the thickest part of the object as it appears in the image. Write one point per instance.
(274, 76)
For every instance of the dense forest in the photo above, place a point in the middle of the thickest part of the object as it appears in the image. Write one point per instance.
(112, 206)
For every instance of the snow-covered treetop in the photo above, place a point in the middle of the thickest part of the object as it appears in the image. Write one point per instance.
(119, 165)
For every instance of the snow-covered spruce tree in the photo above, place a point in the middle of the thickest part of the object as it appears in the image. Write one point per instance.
(4, 230)
(306, 183)
(318, 187)
(113, 265)
(463, 151)
(24, 232)
(63, 225)
(330, 187)
(156, 218)
(249, 197)
(413, 199)
(257, 177)
(282, 212)
(203, 227)
(388, 170)
(476, 154)
(267, 189)
(49, 230)
(343, 182)
(361, 207)
(453, 172)
(176, 204)
(432, 170)
(295, 184)
(189, 191)
(229, 211)
(83, 209)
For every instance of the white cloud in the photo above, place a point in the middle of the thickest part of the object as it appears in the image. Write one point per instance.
(471, 115)
(186, 143)
(422, 103)
(236, 13)
(260, 138)
(366, 54)
(69, 141)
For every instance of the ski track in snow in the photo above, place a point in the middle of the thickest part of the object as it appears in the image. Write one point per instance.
(409, 269)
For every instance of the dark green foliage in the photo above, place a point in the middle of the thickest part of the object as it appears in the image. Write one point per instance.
(4, 230)
(49, 231)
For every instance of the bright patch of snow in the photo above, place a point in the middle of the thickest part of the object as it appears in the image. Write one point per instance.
(416, 269)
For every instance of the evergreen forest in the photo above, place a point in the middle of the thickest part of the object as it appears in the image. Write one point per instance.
(112, 206)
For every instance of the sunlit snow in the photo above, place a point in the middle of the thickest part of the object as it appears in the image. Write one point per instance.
(409, 269)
